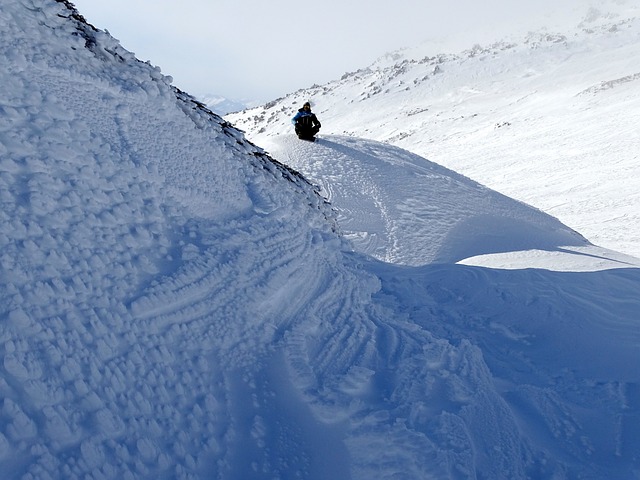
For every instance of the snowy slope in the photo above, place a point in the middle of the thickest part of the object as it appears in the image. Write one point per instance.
(132, 222)
(176, 304)
(402, 209)
(549, 118)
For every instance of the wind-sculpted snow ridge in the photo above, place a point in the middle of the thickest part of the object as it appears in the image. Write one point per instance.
(403, 209)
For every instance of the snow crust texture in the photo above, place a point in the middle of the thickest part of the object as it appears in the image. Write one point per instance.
(175, 303)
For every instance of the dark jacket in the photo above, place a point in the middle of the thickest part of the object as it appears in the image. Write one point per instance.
(306, 120)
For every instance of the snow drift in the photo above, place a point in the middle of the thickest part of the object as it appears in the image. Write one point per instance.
(176, 303)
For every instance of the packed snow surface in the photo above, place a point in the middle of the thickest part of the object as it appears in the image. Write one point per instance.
(177, 304)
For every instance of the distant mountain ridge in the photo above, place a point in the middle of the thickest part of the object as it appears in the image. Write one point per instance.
(223, 106)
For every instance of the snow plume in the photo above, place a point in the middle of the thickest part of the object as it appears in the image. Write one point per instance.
(176, 303)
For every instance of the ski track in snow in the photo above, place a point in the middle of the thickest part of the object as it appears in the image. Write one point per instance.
(175, 305)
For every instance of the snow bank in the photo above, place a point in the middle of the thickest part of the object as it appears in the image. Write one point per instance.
(402, 209)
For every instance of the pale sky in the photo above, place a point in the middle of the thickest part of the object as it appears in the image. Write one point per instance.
(263, 49)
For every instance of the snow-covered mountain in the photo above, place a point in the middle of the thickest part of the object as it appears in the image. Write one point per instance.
(223, 105)
(177, 304)
(549, 118)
